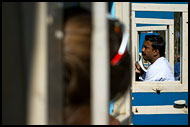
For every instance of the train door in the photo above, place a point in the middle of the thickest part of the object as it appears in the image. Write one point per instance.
(157, 103)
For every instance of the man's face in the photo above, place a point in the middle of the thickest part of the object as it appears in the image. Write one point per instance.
(147, 51)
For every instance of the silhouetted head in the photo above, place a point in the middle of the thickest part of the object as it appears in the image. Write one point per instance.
(76, 58)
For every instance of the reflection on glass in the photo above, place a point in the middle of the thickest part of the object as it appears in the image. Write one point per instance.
(177, 45)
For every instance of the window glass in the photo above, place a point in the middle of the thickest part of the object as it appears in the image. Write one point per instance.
(141, 38)
(177, 45)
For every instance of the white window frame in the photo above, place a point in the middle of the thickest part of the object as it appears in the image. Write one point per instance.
(166, 86)
(159, 28)
(170, 31)
(170, 23)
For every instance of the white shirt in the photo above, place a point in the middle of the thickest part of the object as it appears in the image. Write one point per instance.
(160, 70)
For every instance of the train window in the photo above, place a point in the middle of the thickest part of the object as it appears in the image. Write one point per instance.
(140, 39)
(164, 29)
(174, 31)
(175, 38)
(177, 45)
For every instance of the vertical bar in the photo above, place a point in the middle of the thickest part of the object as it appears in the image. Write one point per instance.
(181, 23)
(118, 10)
(37, 96)
(100, 65)
(55, 69)
(171, 46)
(166, 38)
(184, 67)
(133, 48)
(127, 21)
(133, 45)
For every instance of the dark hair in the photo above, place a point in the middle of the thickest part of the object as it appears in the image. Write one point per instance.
(178, 59)
(157, 43)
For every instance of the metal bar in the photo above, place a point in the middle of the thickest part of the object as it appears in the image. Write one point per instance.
(153, 28)
(37, 96)
(55, 69)
(167, 40)
(154, 21)
(100, 65)
(171, 46)
(127, 21)
(133, 45)
(184, 62)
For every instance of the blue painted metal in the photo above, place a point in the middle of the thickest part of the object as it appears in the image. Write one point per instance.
(164, 2)
(154, 14)
(153, 99)
(139, 25)
(161, 119)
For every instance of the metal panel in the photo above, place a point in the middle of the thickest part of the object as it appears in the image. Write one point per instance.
(159, 7)
(171, 46)
(150, 99)
(151, 28)
(185, 50)
(163, 109)
(166, 86)
(154, 21)
(154, 14)
(161, 119)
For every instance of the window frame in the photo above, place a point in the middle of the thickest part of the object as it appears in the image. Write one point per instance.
(166, 86)
(155, 28)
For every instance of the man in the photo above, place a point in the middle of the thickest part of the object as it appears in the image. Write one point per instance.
(154, 51)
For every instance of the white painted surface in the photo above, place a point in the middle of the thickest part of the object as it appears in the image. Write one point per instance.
(99, 65)
(185, 49)
(153, 21)
(166, 109)
(171, 46)
(151, 28)
(180, 102)
(123, 105)
(166, 86)
(160, 7)
(37, 92)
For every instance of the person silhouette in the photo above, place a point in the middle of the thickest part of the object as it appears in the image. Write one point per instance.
(77, 43)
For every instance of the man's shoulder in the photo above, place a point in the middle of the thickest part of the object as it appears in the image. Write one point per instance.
(161, 64)
(162, 59)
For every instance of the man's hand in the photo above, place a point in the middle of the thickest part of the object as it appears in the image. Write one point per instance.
(138, 68)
